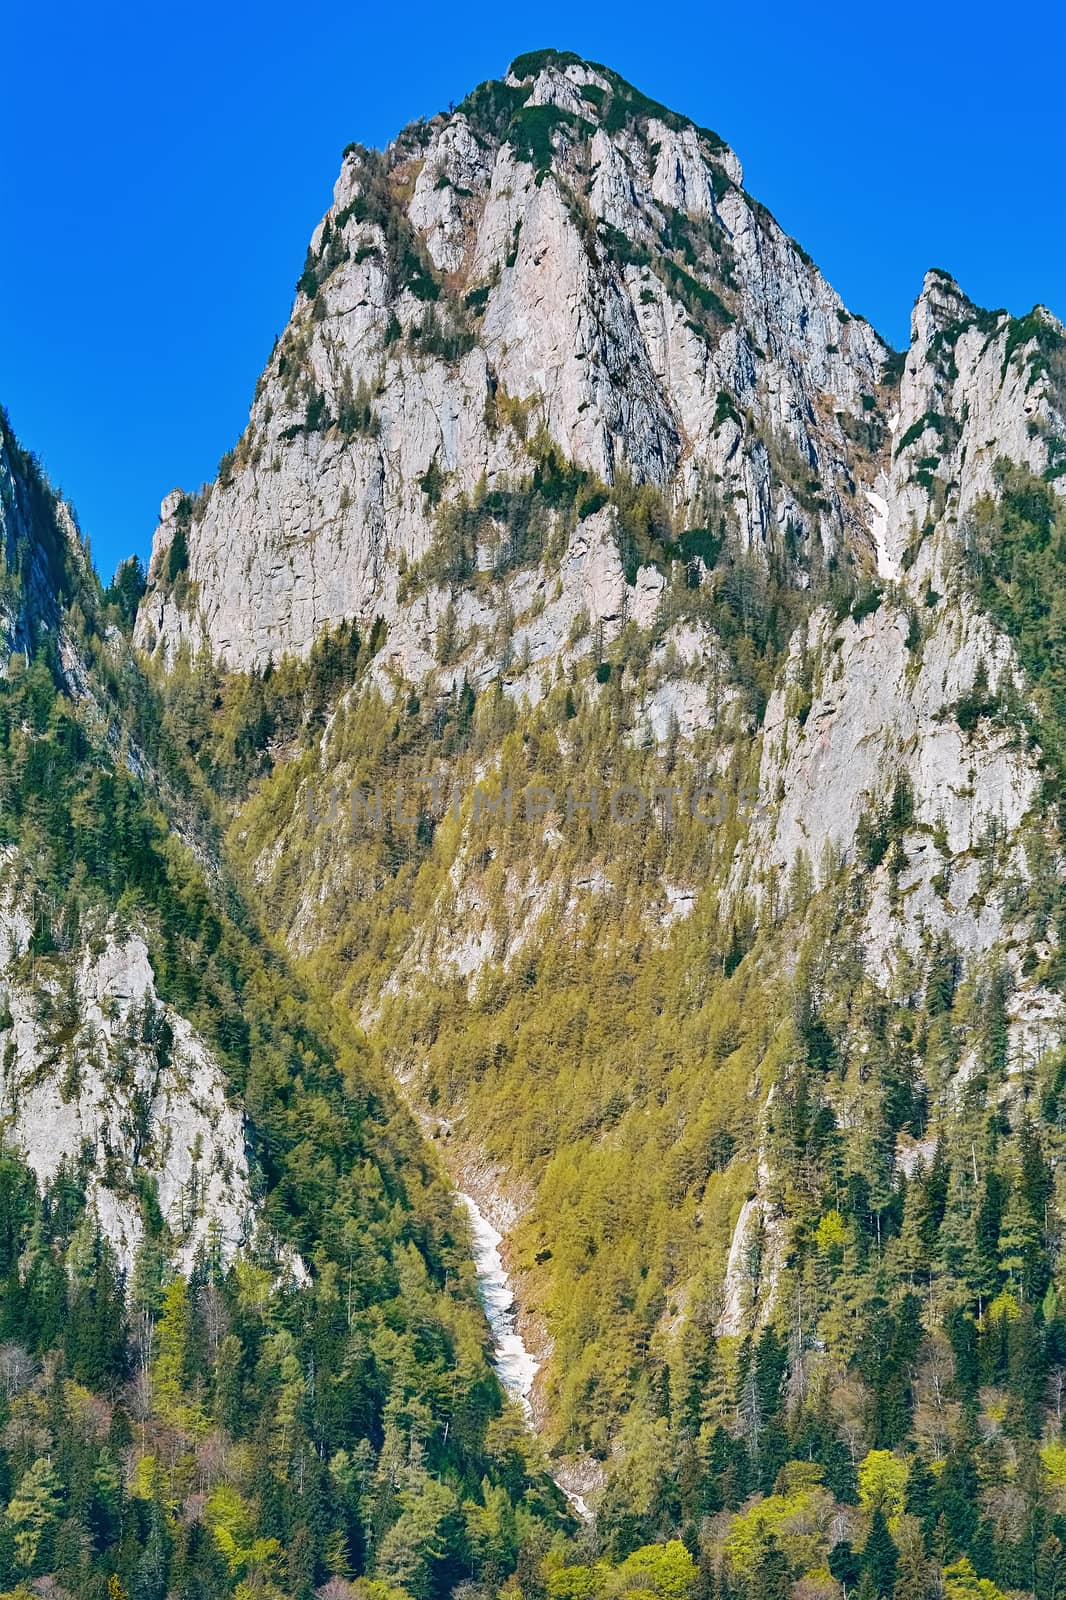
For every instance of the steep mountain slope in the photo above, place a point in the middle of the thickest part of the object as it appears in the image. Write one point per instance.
(559, 263)
(638, 695)
(33, 571)
(242, 1352)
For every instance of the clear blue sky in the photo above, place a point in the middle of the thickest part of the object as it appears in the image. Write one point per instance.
(163, 168)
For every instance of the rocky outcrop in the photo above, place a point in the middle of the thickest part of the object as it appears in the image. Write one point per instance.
(867, 702)
(103, 1078)
(551, 264)
(39, 549)
(976, 387)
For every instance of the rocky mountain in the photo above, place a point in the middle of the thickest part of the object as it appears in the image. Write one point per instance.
(635, 697)
(613, 491)
(562, 264)
(558, 263)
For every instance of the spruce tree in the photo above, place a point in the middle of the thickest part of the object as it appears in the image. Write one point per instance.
(879, 1555)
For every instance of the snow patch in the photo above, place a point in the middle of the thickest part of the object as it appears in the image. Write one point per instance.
(887, 567)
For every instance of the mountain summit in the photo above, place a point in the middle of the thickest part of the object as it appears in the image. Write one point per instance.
(559, 265)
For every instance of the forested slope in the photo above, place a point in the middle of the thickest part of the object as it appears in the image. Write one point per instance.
(190, 1410)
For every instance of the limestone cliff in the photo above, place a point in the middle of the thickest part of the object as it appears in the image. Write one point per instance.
(101, 1076)
(39, 549)
(559, 260)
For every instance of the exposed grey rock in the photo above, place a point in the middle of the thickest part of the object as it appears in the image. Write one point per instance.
(99, 1072)
(37, 538)
(638, 307)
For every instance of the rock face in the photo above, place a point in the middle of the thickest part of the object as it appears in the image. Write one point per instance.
(560, 262)
(100, 1076)
(38, 546)
(883, 690)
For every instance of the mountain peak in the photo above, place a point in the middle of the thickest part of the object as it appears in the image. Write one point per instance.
(531, 63)
(595, 94)
(560, 277)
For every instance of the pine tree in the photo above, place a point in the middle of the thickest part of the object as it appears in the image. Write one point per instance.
(959, 1250)
(879, 1555)
(152, 1570)
(1051, 1569)
(844, 1565)
(1021, 1248)
(920, 1500)
(770, 1578)
(33, 1511)
(916, 1574)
